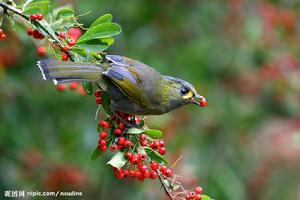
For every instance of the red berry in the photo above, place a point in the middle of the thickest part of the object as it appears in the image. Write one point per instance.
(61, 87)
(66, 48)
(41, 36)
(144, 143)
(143, 168)
(103, 135)
(118, 131)
(103, 148)
(154, 165)
(104, 124)
(162, 151)
(29, 31)
(126, 173)
(98, 101)
(71, 42)
(33, 17)
(121, 141)
(203, 102)
(161, 143)
(36, 34)
(129, 155)
(142, 156)
(163, 169)
(187, 197)
(153, 175)
(98, 93)
(2, 37)
(192, 194)
(128, 144)
(62, 35)
(143, 137)
(146, 174)
(74, 85)
(113, 147)
(135, 159)
(64, 57)
(154, 145)
(41, 51)
(138, 174)
(169, 173)
(102, 142)
(121, 126)
(39, 17)
(132, 173)
(198, 190)
(1, 31)
(198, 197)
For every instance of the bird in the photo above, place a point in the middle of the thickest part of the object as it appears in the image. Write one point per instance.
(132, 86)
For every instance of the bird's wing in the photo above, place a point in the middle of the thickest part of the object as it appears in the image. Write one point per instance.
(128, 81)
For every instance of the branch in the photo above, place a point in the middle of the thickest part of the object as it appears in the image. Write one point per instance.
(164, 186)
(37, 23)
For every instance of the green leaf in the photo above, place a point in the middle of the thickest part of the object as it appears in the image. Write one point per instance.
(37, 7)
(93, 46)
(95, 154)
(100, 31)
(109, 41)
(106, 102)
(155, 156)
(153, 133)
(134, 131)
(88, 87)
(205, 197)
(118, 160)
(64, 13)
(102, 19)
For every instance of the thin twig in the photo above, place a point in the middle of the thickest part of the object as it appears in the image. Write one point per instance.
(168, 193)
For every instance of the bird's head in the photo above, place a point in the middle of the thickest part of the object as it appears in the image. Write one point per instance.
(181, 92)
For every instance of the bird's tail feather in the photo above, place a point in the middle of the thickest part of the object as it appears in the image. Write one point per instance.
(62, 72)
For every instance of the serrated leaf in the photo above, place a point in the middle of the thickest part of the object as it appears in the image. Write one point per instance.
(153, 133)
(104, 30)
(95, 154)
(64, 13)
(118, 160)
(134, 131)
(88, 87)
(102, 19)
(155, 155)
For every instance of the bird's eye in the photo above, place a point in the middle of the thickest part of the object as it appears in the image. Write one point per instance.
(184, 91)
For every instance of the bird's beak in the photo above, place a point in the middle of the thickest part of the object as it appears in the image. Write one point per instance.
(199, 100)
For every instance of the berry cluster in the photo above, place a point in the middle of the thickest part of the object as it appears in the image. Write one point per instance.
(138, 165)
(2, 35)
(114, 135)
(195, 195)
(72, 86)
(35, 34)
(71, 42)
(38, 17)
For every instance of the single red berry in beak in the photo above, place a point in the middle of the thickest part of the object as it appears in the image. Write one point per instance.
(203, 102)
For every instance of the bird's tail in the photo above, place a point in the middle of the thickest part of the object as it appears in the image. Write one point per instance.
(62, 72)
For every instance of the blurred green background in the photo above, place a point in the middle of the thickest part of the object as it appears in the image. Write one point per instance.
(242, 55)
